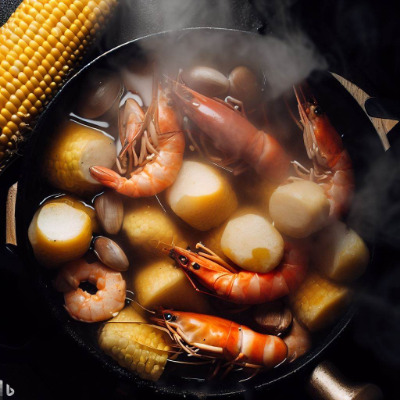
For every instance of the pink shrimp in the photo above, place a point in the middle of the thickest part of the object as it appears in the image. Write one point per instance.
(159, 172)
(86, 307)
(332, 167)
(233, 134)
(243, 287)
(213, 337)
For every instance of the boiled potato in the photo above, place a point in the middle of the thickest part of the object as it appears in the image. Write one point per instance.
(318, 302)
(160, 283)
(299, 209)
(146, 224)
(80, 205)
(201, 196)
(59, 233)
(340, 253)
(252, 242)
(73, 151)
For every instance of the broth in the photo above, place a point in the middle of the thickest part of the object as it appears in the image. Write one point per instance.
(251, 191)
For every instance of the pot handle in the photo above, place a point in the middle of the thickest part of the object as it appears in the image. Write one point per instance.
(326, 383)
(382, 125)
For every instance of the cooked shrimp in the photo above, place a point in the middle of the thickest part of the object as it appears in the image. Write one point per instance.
(332, 167)
(86, 307)
(161, 168)
(207, 336)
(233, 134)
(242, 287)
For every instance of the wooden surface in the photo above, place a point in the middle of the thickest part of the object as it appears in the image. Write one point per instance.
(382, 126)
(11, 234)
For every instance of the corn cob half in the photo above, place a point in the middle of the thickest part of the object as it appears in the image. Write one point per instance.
(136, 346)
(39, 45)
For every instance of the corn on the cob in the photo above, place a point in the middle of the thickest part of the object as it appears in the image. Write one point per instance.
(318, 301)
(72, 151)
(39, 45)
(141, 348)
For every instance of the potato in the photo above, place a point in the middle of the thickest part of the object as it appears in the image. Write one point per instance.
(80, 205)
(318, 302)
(252, 242)
(160, 283)
(145, 224)
(201, 196)
(74, 149)
(340, 253)
(59, 233)
(299, 209)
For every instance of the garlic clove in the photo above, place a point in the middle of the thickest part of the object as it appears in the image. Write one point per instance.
(110, 211)
(273, 318)
(298, 341)
(110, 254)
(207, 81)
(244, 86)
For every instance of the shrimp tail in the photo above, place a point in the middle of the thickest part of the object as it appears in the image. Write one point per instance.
(107, 177)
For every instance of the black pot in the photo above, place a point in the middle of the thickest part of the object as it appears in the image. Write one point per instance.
(360, 140)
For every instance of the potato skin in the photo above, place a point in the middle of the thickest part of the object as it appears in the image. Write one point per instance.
(340, 253)
(159, 283)
(299, 208)
(51, 252)
(146, 224)
(252, 242)
(206, 210)
(318, 302)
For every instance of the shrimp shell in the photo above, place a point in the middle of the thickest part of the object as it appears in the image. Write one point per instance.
(86, 307)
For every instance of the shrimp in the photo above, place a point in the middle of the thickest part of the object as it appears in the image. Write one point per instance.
(161, 168)
(208, 336)
(233, 134)
(242, 287)
(86, 307)
(332, 167)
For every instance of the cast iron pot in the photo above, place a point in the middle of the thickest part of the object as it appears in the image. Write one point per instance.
(238, 47)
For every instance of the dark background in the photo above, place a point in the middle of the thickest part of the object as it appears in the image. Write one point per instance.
(360, 41)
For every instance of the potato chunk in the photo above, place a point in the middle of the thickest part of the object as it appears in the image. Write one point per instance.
(201, 196)
(80, 205)
(146, 224)
(340, 253)
(318, 302)
(141, 348)
(59, 233)
(160, 283)
(299, 209)
(252, 242)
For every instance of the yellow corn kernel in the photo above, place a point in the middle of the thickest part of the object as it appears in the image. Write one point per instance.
(39, 45)
(134, 345)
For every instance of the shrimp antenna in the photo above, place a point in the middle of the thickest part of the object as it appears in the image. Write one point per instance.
(159, 245)
(191, 362)
(207, 253)
(137, 303)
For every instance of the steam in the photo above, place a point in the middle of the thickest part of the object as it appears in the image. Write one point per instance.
(290, 60)
(286, 54)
